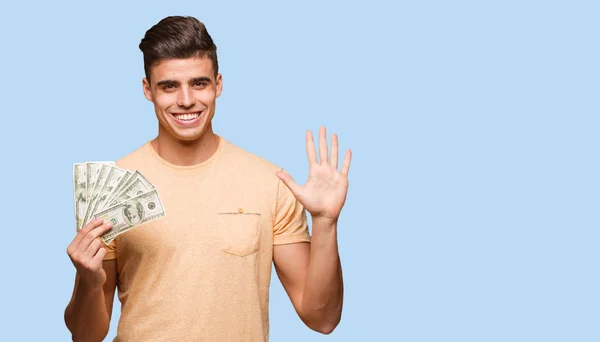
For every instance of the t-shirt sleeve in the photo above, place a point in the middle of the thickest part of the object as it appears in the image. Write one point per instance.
(111, 250)
(290, 224)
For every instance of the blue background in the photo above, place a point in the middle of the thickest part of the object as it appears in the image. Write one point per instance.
(473, 206)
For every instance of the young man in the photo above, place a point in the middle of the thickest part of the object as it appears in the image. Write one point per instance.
(202, 273)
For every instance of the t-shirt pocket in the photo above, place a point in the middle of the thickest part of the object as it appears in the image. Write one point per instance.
(238, 231)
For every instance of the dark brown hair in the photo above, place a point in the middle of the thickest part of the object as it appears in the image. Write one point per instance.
(177, 37)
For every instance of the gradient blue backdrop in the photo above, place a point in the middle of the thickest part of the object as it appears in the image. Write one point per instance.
(473, 206)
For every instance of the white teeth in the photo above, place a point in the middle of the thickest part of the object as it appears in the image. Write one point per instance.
(186, 117)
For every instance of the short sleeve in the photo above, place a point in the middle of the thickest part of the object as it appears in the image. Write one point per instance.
(111, 250)
(290, 224)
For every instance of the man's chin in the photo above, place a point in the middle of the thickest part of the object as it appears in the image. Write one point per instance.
(189, 136)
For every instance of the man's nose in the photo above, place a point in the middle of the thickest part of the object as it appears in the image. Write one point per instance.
(185, 98)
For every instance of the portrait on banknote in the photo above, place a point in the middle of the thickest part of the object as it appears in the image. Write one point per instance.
(133, 212)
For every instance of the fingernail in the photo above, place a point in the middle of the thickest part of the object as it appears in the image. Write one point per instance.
(99, 219)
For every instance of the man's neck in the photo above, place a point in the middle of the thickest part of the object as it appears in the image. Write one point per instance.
(185, 153)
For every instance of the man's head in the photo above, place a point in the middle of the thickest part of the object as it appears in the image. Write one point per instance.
(177, 37)
(182, 78)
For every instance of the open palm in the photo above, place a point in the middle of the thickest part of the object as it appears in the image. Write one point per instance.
(324, 193)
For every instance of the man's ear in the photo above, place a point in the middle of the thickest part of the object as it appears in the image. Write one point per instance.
(219, 84)
(146, 88)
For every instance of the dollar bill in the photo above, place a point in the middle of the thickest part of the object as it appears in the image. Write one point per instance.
(80, 193)
(116, 190)
(113, 177)
(97, 181)
(91, 175)
(136, 185)
(93, 168)
(131, 213)
(101, 189)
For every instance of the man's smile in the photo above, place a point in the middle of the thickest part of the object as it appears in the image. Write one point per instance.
(187, 118)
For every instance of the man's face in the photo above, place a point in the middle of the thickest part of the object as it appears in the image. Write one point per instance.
(184, 92)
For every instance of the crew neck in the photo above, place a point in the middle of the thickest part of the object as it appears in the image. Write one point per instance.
(155, 155)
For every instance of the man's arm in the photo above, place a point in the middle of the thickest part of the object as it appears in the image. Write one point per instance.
(88, 314)
(311, 274)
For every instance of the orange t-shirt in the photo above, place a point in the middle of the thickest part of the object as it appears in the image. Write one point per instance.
(202, 272)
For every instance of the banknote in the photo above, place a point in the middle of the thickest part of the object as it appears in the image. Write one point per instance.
(93, 168)
(92, 173)
(84, 173)
(123, 196)
(136, 184)
(80, 193)
(116, 190)
(131, 213)
(113, 177)
(97, 182)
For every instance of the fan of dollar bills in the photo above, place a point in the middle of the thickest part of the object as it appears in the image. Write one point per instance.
(124, 197)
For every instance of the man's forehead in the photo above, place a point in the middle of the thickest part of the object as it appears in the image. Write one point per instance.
(182, 69)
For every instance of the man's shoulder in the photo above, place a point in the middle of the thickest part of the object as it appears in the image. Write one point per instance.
(242, 158)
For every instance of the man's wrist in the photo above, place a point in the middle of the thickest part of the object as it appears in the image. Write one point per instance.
(322, 222)
(88, 287)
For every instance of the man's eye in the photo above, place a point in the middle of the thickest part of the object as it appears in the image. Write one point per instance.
(168, 86)
(199, 84)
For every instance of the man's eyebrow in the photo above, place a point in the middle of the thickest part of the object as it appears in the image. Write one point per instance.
(193, 80)
(200, 79)
(167, 82)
